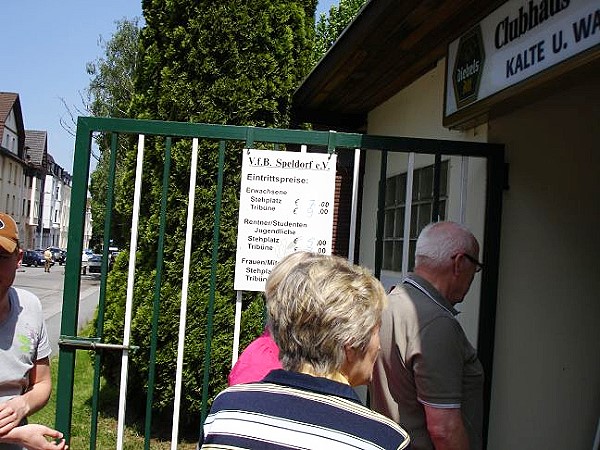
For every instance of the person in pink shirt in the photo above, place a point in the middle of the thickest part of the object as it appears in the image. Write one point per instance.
(256, 361)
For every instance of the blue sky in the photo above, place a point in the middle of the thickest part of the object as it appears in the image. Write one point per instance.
(46, 47)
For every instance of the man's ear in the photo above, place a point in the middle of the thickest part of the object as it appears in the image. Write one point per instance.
(20, 258)
(457, 264)
(351, 354)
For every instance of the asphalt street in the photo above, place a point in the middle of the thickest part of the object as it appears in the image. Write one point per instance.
(49, 287)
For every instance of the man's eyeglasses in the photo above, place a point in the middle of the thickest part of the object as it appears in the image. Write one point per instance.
(478, 265)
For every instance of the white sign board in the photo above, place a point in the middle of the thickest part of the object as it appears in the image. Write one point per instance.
(286, 205)
(516, 41)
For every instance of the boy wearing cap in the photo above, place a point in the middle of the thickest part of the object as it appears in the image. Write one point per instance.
(25, 382)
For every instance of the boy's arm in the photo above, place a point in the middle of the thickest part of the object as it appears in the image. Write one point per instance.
(17, 408)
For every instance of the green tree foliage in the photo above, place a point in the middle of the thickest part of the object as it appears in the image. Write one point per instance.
(109, 95)
(329, 27)
(111, 85)
(234, 62)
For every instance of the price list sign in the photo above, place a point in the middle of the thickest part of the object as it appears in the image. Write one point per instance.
(286, 205)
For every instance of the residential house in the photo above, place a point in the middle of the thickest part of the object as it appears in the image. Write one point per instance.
(12, 152)
(56, 183)
(33, 188)
(36, 153)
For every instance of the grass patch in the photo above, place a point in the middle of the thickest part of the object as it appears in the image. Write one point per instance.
(107, 421)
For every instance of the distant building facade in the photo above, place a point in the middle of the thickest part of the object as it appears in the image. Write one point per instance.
(33, 188)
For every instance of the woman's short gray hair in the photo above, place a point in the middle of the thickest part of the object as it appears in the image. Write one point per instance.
(439, 242)
(321, 305)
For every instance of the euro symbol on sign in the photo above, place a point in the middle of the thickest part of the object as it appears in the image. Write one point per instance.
(295, 209)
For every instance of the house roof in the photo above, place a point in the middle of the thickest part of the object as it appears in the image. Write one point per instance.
(37, 143)
(389, 45)
(7, 101)
(10, 101)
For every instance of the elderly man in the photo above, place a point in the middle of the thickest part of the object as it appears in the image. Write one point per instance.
(25, 382)
(428, 377)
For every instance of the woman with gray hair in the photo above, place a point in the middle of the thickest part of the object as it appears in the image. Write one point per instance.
(324, 315)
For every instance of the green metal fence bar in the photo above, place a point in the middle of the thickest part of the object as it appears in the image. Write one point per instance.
(157, 286)
(489, 281)
(274, 135)
(213, 277)
(101, 299)
(68, 327)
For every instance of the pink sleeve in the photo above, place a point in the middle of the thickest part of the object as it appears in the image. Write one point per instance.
(256, 361)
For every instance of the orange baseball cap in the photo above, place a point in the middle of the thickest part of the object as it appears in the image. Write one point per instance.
(9, 234)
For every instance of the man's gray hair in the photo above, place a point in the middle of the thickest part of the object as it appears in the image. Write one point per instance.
(439, 242)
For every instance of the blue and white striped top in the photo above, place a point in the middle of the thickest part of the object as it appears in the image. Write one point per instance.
(290, 410)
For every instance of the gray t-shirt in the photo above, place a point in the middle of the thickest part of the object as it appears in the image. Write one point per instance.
(23, 341)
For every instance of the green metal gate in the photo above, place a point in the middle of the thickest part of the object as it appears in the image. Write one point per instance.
(249, 137)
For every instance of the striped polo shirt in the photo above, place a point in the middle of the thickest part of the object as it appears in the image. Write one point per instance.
(290, 410)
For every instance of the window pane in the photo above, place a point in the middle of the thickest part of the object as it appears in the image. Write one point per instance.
(424, 217)
(411, 254)
(414, 221)
(399, 228)
(401, 189)
(422, 207)
(426, 183)
(388, 229)
(444, 178)
(397, 267)
(390, 191)
(442, 209)
(388, 254)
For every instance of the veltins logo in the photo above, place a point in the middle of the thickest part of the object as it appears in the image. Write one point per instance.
(2, 224)
(468, 67)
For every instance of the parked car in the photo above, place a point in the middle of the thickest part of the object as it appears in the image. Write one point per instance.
(95, 264)
(32, 258)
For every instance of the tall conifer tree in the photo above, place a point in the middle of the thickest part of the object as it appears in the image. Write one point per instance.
(234, 62)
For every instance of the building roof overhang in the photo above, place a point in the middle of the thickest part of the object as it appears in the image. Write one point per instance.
(389, 45)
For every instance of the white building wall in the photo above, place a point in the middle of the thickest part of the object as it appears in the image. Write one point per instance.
(87, 226)
(546, 380)
(47, 209)
(12, 188)
(64, 215)
(51, 231)
(10, 140)
(546, 385)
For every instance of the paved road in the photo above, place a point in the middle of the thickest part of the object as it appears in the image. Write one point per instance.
(49, 288)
